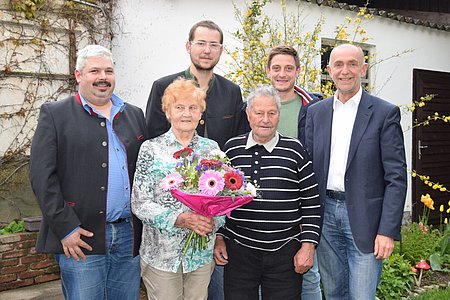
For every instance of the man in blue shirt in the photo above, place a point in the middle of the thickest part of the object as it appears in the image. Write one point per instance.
(82, 162)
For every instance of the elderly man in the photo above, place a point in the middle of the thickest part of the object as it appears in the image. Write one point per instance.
(270, 241)
(356, 144)
(82, 163)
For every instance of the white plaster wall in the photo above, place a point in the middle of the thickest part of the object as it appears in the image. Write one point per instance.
(154, 33)
(153, 39)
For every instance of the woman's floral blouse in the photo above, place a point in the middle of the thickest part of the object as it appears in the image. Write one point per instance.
(162, 242)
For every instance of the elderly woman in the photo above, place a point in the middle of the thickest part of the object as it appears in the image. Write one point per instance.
(167, 274)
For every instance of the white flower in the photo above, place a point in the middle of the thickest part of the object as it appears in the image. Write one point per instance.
(251, 188)
(219, 153)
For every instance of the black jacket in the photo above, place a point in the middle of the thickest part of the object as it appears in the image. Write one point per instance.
(69, 174)
(222, 117)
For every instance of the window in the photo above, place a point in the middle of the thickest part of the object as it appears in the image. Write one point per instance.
(327, 46)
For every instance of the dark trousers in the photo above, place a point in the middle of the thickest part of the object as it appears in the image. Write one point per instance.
(247, 269)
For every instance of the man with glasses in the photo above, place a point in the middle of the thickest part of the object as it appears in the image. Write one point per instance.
(222, 118)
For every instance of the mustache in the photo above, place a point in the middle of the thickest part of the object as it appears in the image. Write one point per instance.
(102, 82)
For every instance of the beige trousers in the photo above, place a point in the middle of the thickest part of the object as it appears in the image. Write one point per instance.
(162, 285)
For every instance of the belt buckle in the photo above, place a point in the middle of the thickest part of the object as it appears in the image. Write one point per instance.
(336, 195)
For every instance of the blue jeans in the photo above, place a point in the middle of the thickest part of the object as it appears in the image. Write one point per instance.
(115, 275)
(215, 288)
(346, 272)
(311, 282)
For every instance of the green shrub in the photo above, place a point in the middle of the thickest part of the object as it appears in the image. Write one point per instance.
(397, 279)
(418, 243)
(13, 227)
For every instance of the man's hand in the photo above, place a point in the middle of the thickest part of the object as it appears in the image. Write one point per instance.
(384, 246)
(200, 224)
(304, 258)
(220, 251)
(73, 242)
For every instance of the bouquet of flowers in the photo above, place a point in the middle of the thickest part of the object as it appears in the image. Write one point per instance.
(210, 187)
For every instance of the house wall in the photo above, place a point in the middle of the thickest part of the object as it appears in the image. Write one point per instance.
(153, 36)
(35, 63)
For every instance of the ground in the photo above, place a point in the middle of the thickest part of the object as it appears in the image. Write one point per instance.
(431, 278)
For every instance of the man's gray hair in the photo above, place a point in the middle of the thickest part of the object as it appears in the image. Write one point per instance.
(266, 91)
(91, 51)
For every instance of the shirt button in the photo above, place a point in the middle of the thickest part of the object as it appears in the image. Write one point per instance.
(255, 181)
(202, 122)
(256, 153)
(256, 162)
(104, 165)
(256, 171)
(104, 143)
(101, 212)
(102, 188)
(103, 124)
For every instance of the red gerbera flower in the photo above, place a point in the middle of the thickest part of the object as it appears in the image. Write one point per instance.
(233, 180)
(210, 163)
(185, 152)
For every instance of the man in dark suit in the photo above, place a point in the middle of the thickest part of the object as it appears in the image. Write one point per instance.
(357, 148)
(83, 159)
(222, 118)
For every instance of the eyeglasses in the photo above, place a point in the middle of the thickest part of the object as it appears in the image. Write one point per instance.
(202, 45)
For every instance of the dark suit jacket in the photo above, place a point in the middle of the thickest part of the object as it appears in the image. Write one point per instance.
(69, 174)
(222, 117)
(375, 178)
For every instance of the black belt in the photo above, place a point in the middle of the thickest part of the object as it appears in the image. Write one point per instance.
(336, 195)
(119, 220)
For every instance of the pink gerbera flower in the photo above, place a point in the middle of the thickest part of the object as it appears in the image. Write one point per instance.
(171, 181)
(211, 182)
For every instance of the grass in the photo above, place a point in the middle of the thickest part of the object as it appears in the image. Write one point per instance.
(434, 295)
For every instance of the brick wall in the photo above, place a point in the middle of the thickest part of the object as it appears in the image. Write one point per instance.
(20, 265)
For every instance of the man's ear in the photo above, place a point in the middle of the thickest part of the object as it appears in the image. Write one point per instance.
(77, 76)
(364, 70)
(188, 47)
(247, 112)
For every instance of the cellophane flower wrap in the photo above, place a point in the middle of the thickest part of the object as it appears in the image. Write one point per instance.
(209, 186)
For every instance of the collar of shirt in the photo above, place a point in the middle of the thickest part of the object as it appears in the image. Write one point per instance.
(117, 106)
(188, 75)
(270, 145)
(171, 139)
(354, 101)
